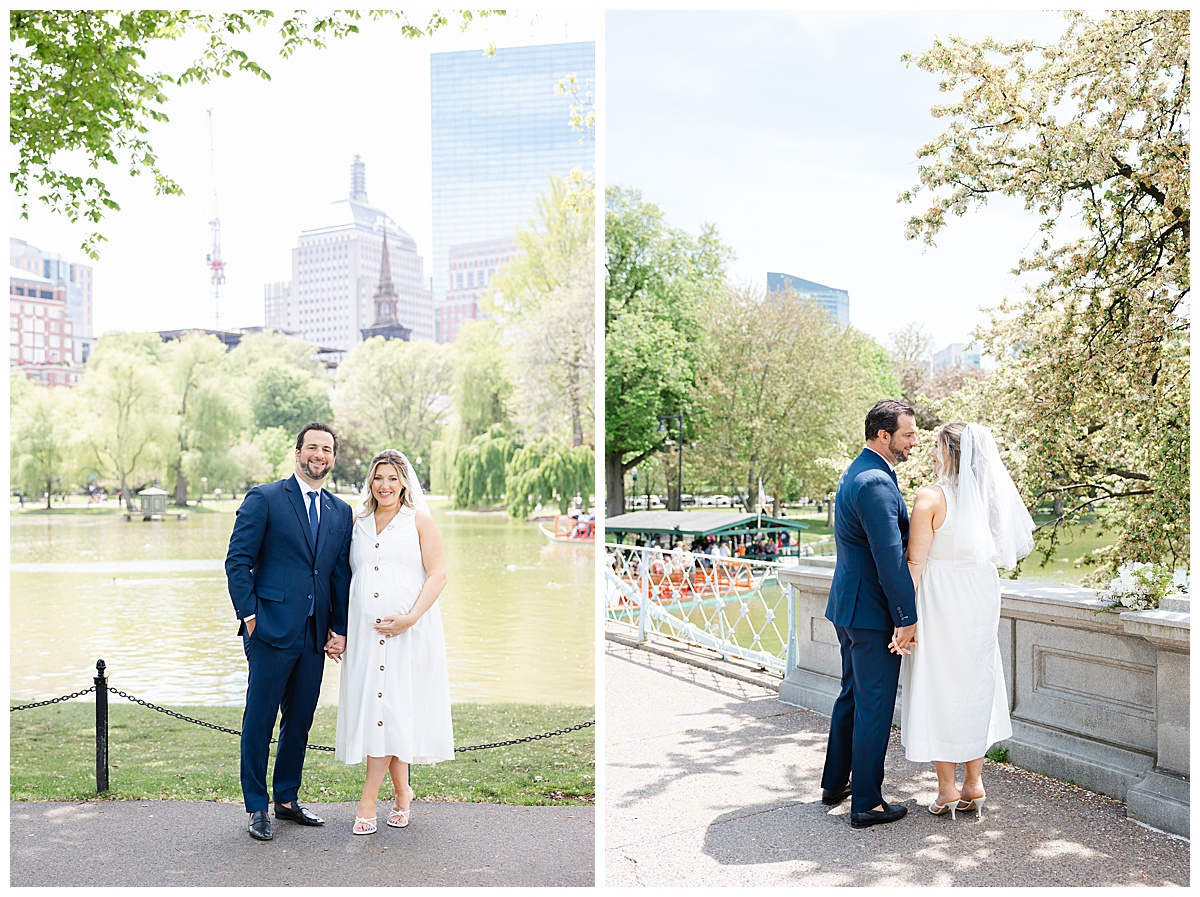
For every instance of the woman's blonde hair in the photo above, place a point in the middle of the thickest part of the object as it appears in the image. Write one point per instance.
(396, 460)
(950, 440)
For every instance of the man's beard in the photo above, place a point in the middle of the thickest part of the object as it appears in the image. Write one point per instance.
(306, 466)
(899, 454)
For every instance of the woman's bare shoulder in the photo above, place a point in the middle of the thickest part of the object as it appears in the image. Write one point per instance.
(931, 496)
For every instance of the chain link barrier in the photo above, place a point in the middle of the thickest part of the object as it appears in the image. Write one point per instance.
(78, 694)
(311, 747)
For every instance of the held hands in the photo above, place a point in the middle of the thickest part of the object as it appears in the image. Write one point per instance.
(394, 625)
(335, 647)
(903, 638)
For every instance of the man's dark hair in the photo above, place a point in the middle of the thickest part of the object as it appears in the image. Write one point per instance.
(317, 426)
(885, 415)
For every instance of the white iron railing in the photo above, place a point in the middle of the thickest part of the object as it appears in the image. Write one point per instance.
(732, 606)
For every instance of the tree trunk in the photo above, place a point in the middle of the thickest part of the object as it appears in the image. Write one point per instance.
(576, 426)
(128, 498)
(49, 487)
(180, 487)
(829, 512)
(614, 484)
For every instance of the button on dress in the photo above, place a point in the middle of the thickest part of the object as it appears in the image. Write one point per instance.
(394, 698)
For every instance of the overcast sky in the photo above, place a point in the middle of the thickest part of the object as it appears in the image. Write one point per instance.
(793, 133)
(283, 154)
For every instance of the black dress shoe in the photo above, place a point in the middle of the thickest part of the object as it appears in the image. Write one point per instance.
(868, 818)
(297, 813)
(831, 797)
(260, 826)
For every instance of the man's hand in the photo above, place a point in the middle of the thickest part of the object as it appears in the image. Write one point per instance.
(335, 647)
(903, 638)
(250, 624)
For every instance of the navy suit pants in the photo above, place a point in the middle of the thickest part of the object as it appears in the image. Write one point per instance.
(862, 716)
(283, 682)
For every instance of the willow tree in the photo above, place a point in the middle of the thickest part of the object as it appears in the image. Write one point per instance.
(125, 422)
(545, 299)
(1091, 134)
(548, 472)
(481, 468)
(42, 438)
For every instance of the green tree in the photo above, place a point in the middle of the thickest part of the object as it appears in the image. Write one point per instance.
(393, 393)
(546, 299)
(80, 97)
(656, 279)
(208, 414)
(481, 467)
(482, 389)
(548, 472)
(285, 397)
(125, 422)
(781, 387)
(42, 439)
(276, 448)
(257, 349)
(1092, 134)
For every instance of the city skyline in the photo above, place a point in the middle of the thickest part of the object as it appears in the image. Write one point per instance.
(499, 133)
(794, 133)
(282, 150)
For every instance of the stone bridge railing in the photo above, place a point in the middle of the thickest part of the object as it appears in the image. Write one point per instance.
(1097, 698)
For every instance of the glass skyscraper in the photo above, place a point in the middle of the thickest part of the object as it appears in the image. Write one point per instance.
(831, 299)
(499, 132)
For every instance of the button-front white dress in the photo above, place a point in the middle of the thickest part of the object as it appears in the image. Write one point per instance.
(395, 693)
(954, 704)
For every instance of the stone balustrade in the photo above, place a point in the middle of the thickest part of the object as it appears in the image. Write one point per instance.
(1096, 697)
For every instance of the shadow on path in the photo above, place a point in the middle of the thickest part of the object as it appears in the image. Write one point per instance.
(711, 781)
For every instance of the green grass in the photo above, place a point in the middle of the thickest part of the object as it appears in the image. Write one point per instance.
(155, 757)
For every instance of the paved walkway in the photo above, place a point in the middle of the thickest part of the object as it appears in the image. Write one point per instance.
(711, 780)
(140, 843)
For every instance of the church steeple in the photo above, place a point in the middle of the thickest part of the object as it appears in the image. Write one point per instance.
(385, 293)
(386, 323)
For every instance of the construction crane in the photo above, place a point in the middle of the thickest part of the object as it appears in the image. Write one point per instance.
(216, 264)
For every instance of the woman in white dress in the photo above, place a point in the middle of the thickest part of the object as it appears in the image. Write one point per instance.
(954, 705)
(394, 702)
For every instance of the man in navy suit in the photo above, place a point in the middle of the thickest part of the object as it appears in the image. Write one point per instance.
(288, 568)
(872, 605)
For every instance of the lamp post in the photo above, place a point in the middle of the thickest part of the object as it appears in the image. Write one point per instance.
(663, 419)
(633, 471)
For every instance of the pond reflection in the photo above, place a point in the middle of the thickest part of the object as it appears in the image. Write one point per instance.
(150, 599)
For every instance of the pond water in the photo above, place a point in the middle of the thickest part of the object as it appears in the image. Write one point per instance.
(150, 598)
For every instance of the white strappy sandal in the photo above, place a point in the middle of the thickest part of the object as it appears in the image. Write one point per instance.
(398, 818)
(368, 825)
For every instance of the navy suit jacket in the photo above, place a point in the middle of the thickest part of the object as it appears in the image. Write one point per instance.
(872, 588)
(274, 570)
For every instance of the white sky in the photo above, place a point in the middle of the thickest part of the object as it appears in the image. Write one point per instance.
(793, 133)
(283, 154)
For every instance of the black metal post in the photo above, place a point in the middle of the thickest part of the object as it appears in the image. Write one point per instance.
(679, 488)
(101, 728)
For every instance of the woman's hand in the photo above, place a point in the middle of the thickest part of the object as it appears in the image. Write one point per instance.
(394, 625)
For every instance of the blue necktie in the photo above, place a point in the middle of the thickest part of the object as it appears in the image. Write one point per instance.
(312, 524)
(312, 517)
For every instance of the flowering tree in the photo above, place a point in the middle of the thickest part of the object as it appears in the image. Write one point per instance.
(1092, 134)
